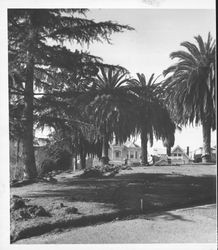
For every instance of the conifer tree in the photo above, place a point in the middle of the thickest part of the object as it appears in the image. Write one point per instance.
(39, 60)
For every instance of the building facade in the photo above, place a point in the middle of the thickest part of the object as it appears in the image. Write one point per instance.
(128, 153)
(179, 156)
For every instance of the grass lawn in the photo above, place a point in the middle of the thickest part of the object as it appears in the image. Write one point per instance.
(143, 189)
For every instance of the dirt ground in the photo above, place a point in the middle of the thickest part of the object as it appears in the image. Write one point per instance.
(142, 189)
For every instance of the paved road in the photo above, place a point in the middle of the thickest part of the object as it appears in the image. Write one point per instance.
(192, 225)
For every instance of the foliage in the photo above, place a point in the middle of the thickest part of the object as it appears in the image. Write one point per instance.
(40, 63)
(190, 86)
(152, 114)
(110, 104)
(152, 118)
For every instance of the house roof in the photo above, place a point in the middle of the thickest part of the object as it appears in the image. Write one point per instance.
(178, 147)
(131, 145)
(128, 144)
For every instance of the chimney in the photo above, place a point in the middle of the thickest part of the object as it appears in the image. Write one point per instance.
(187, 151)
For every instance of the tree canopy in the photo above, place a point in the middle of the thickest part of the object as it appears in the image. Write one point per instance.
(190, 87)
(39, 61)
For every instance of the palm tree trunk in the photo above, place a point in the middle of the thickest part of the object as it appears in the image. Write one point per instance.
(206, 129)
(105, 148)
(169, 154)
(18, 150)
(28, 149)
(144, 146)
(75, 162)
(83, 160)
(82, 154)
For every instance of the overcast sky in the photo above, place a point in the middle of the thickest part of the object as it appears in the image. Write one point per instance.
(146, 50)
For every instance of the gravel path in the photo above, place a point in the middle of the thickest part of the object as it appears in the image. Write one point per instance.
(192, 225)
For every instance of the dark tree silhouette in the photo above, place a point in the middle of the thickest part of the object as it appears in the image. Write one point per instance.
(39, 60)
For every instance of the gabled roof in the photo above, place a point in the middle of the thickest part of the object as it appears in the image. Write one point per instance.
(178, 147)
(131, 145)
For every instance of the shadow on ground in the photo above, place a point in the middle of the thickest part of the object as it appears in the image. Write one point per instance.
(141, 192)
(106, 199)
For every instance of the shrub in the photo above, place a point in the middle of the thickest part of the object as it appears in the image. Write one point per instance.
(92, 172)
(63, 159)
(58, 159)
(47, 166)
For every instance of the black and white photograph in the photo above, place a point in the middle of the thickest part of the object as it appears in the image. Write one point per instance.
(108, 131)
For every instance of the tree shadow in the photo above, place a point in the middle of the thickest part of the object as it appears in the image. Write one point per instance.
(169, 216)
(141, 191)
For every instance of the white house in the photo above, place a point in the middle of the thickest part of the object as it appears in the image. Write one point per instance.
(178, 156)
(128, 152)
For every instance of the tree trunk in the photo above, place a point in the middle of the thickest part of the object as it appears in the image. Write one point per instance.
(82, 154)
(28, 149)
(105, 158)
(206, 128)
(71, 151)
(82, 159)
(169, 155)
(18, 150)
(144, 146)
(105, 147)
(75, 162)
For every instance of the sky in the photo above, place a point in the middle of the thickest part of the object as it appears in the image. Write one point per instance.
(158, 32)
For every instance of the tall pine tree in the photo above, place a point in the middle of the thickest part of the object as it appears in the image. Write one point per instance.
(39, 59)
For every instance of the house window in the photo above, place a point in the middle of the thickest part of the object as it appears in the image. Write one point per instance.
(117, 154)
(179, 154)
(136, 154)
(131, 155)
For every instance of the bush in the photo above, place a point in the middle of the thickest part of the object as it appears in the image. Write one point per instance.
(47, 166)
(92, 172)
(58, 159)
(63, 159)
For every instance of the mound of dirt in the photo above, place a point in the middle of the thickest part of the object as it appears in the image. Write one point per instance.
(101, 171)
(21, 211)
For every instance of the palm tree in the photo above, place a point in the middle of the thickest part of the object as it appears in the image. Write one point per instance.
(190, 87)
(153, 118)
(110, 106)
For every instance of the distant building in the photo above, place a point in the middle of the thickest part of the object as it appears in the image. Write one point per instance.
(128, 152)
(178, 156)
